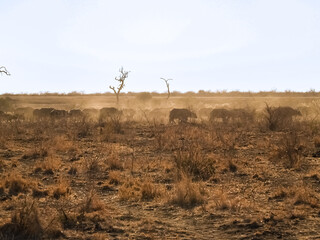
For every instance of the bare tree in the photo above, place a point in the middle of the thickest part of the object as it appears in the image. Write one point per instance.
(123, 76)
(168, 87)
(4, 70)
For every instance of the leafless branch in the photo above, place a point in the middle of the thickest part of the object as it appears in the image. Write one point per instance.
(167, 83)
(4, 70)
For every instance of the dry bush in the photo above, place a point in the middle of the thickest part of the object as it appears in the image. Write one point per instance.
(289, 150)
(194, 162)
(135, 190)
(272, 121)
(40, 150)
(115, 177)
(49, 165)
(67, 219)
(279, 118)
(61, 189)
(223, 201)
(91, 165)
(92, 203)
(81, 129)
(61, 144)
(298, 195)
(16, 184)
(111, 126)
(188, 194)
(25, 223)
(226, 140)
(113, 161)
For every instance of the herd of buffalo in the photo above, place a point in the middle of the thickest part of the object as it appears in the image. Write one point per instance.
(175, 115)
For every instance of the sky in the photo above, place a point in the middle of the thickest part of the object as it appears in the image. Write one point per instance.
(80, 45)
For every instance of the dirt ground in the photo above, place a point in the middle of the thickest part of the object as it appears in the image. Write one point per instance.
(143, 178)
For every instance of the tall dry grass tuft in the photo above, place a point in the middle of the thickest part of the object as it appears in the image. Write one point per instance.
(92, 203)
(187, 194)
(25, 223)
(223, 201)
(16, 184)
(298, 195)
(193, 162)
(289, 150)
(136, 190)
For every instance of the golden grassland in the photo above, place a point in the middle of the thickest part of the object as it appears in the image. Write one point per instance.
(138, 177)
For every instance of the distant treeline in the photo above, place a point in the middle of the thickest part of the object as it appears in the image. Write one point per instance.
(200, 93)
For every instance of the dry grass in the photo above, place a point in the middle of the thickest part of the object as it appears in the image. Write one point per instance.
(150, 180)
(289, 150)
(26, 223)
(224, 201)
(194, 162)
(115, 177)
(49, 165)
(135, 190)
(61, 189)
(92, 203)
(298, 195)
(187, 194)
(15, 184)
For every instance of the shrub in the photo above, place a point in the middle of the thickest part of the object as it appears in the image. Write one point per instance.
(193, 162)
(16, 184)
(136, 190)
(92, 203)
(25, 223)
(188, 194)
(289, 149)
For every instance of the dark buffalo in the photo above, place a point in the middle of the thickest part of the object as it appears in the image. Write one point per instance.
(76, 114)
(109, 112)
(280, 117)
(42, 114)
(231, 115)
(220, 114)
(241, 115)
(286, 113)
(24, 112)
(91, 114)
(58, 114)
(181, 114)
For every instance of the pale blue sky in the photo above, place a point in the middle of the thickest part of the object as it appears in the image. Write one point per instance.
(79, 45)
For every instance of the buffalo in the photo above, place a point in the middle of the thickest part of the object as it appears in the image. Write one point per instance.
(91, 114)
(75, 114)
(42, 114)
(108, 113)
(24, 112)
(220, 114)
(181, 114)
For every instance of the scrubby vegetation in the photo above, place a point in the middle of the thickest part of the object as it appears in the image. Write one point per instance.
(250, 174)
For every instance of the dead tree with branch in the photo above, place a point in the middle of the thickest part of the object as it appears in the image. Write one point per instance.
(123, 76)
(4, 70)
(168, 87)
